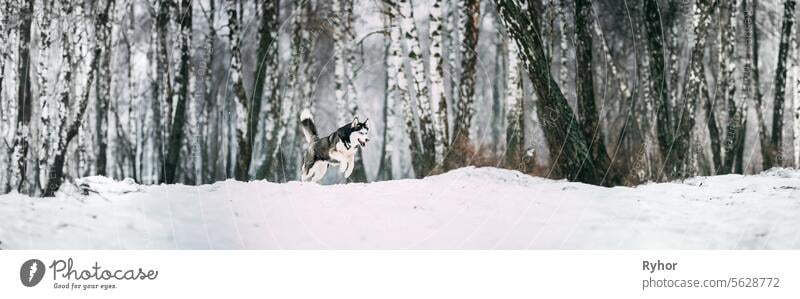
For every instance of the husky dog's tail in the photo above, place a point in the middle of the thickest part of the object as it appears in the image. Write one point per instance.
(309, 129)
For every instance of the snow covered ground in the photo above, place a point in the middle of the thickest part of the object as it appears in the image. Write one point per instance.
(469, 208)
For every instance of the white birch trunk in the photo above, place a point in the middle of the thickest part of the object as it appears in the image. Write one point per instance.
(398, 83)
(514, 109)
(236, 69)
(340, 70)
(564, 56)
(438, 98)
(47, 133)
(453, 43)
(408, 29)
(350, 55)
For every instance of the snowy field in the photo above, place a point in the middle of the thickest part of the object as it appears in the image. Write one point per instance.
(470, 208)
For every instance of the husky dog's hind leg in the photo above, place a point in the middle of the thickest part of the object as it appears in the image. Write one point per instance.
(316, 172)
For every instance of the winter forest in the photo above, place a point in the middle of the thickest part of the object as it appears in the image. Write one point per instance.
(610, 93)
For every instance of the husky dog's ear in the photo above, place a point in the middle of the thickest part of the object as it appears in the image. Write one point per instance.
(365, 121)
(354, 123)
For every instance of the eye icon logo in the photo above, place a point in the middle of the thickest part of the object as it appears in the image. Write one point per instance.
(31, 272)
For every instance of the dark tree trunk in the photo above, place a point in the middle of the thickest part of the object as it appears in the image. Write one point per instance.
(726, 90)
(211, 153)
(24, 100)
(713, 131)
(244, 111)
(266, 68)
(176, 133)
(658, 78)
(103, 86)
(584, 81)
(568, 145)
(776, 139)
(162, 90)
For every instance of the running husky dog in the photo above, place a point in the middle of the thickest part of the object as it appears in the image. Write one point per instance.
(337, 148)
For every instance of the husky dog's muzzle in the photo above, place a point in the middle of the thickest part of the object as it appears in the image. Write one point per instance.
(363, 142)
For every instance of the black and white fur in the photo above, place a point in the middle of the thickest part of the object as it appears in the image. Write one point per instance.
(337, 148)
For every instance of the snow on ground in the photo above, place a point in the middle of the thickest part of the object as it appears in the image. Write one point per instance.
(469, 208)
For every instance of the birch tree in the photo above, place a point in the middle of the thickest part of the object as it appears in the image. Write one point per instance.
(339, 64)
(398, 86)
(515, 111)
(161, 88)
(587, 110)
(693, 88)
(565, 139)
(294, 97)
(748, 74)
(69, 130)
(470, 19)
(408, 29)
(776, 138)
(498, 86)
(563, 70)
(103, 86)
(726, 88)
(453, 41)
(359, 172)
(209, 97)
(184, 95)
(796, 122)
(266, 83)
(243, 111)
(758, 97)
(5, 11)
(48, 136)
(19, 148)
(438, 98)
(658, 79)
(388, 149)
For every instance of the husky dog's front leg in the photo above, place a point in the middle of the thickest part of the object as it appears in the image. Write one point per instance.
(350, 165)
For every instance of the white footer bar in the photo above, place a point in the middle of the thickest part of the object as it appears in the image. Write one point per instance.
(400, 274)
